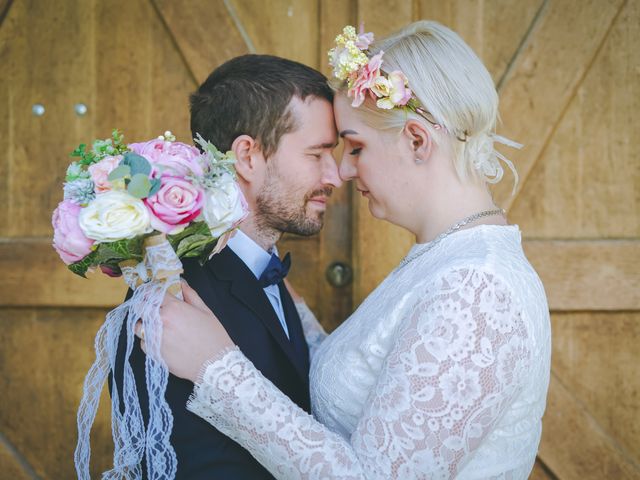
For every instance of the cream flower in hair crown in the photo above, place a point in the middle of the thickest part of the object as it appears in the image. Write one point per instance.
(351, 63)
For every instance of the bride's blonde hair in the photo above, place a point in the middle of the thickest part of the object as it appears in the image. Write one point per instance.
(454, 87)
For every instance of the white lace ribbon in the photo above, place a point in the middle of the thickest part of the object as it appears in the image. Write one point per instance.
(150, 279)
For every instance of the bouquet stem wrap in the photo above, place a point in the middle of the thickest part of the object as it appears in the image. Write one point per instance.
(150, 279)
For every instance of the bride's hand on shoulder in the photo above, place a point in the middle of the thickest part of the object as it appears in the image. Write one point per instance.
(191, 334)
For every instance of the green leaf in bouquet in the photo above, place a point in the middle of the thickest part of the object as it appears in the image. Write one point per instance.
(155, 186)
(196, 228)
(115, 252)
(121, 171)
(205, 252)
(138, 163)
(139, 186)
(193, 245)
(81, 267)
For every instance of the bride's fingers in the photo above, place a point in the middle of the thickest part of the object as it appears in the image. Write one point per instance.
(192, 297)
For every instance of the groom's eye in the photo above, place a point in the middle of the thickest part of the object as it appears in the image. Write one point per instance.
(355, 151)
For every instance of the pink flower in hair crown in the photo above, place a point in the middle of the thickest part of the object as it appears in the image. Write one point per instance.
(363, 74)
(368, 75)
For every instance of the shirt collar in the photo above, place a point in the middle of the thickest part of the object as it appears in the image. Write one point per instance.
(253, 255)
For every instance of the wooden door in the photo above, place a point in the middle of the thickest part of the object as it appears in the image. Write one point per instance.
(132, 64)
(568, 73)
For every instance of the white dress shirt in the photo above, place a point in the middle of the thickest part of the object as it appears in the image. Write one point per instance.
(257, 259)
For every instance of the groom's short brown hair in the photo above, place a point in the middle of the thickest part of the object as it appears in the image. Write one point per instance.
(249, 95)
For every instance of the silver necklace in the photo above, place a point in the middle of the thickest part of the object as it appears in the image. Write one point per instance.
(454, 228)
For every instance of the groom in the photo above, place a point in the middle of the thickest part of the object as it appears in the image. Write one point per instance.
(276, 116)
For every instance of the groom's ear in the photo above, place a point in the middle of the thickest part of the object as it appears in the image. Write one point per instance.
(420, 138)
(249, 158)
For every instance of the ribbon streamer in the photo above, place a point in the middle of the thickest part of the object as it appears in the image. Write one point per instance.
(150, 279)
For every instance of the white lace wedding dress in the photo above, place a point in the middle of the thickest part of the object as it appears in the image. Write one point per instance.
(442, 372)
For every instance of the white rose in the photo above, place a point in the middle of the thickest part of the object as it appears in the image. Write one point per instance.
(224, 207)
(113, 216)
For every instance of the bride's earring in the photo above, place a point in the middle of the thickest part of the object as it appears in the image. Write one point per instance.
(418, 161)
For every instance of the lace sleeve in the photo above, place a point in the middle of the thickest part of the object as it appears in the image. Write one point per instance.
(314, 334)
(459, 360)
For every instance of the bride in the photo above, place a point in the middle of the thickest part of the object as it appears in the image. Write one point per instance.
(443, 370)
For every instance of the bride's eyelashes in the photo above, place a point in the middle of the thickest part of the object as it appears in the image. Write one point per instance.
(355, 151)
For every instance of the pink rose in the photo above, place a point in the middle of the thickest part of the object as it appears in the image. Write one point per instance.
(68, 240)
(367, 78)
(176, 204)
(100, 173)
(170, 158)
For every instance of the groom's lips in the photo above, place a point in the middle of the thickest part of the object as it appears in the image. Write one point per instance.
(321, 201)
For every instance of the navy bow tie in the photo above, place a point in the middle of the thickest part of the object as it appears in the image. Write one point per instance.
(275, 271)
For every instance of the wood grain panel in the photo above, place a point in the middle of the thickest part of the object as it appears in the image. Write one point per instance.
(44, 356)
(574, 446)
(287, 28)
(493, 29)
(7, 35)
(588, 275)
(595, 355)
(60, 78)
(544, 78)
(204, 32)
(587, 181)
(540, 472)
(10, 466)
(33, 274)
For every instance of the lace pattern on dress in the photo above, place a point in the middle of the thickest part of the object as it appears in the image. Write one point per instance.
(460, 358)
(314, 334)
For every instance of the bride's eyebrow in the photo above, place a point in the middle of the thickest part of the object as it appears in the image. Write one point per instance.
(347, 132)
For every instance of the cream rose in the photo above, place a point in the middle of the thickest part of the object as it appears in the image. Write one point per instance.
(224, 207)
(113, 216)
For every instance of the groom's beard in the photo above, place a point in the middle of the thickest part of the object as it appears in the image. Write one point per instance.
(287, 213)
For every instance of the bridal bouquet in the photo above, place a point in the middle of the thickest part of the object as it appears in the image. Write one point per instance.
(135, 210)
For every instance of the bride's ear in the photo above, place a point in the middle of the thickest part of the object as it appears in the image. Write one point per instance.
(421, 140)
(248, 157)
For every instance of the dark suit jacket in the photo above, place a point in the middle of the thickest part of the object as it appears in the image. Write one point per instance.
(232, 292)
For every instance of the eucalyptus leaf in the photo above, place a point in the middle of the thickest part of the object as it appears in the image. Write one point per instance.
(138, 164)
(155, 186)
(121, 171)
(139, 186)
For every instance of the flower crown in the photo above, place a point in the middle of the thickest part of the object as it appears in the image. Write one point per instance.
(352, 63)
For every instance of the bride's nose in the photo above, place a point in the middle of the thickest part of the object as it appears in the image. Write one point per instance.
(347, 169)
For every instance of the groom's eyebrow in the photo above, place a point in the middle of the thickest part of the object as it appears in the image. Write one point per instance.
(347, 132)
(323, 145)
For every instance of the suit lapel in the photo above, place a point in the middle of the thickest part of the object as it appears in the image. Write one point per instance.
(227, 266)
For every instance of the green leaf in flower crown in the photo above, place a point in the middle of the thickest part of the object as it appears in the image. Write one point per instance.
(193, 245)
(196, 228)
(121, 171)
(155, 186)
(139, 186)
(81, 267)
(138, 163)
